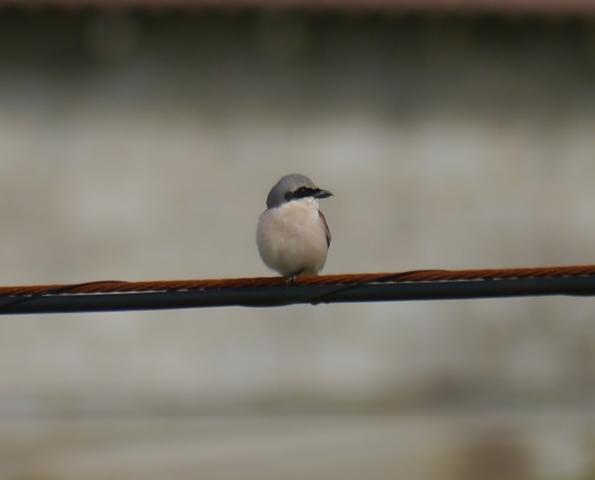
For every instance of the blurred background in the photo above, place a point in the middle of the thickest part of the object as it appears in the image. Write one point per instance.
(138, 142)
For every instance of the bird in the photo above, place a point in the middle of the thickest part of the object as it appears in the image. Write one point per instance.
(292, 235)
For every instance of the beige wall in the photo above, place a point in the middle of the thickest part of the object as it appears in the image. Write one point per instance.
(150, 157)
(142, 147)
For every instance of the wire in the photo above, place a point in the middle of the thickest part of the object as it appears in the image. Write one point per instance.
(115, 295)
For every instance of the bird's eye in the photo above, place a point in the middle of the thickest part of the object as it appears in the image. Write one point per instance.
(301, 192)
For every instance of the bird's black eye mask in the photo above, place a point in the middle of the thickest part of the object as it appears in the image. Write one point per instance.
(302, 192)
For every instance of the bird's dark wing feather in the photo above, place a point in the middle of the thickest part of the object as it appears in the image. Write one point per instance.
(326, 229)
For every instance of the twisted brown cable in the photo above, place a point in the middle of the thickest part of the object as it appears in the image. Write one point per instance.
(114, 286)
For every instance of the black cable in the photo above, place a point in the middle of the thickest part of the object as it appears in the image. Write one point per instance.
(299, 294)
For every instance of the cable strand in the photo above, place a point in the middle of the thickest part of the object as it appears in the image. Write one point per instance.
(344, 281)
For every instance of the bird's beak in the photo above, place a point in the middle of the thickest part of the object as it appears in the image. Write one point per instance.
(322, 194)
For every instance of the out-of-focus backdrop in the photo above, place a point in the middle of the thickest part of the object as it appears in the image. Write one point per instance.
(140, 144)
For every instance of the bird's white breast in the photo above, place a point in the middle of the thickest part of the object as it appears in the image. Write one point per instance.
(291, 238)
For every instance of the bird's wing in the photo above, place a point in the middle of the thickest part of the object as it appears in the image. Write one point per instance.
(326, 229)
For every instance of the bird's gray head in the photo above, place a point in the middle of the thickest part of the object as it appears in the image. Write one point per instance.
(294, 187)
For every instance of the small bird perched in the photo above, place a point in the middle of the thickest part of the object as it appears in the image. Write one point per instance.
(292, 234)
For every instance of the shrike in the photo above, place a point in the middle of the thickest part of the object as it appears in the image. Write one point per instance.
(292, 234)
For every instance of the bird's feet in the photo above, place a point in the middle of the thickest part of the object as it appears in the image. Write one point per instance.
(291, 279)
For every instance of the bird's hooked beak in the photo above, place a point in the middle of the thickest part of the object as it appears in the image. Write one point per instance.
(320, 193)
